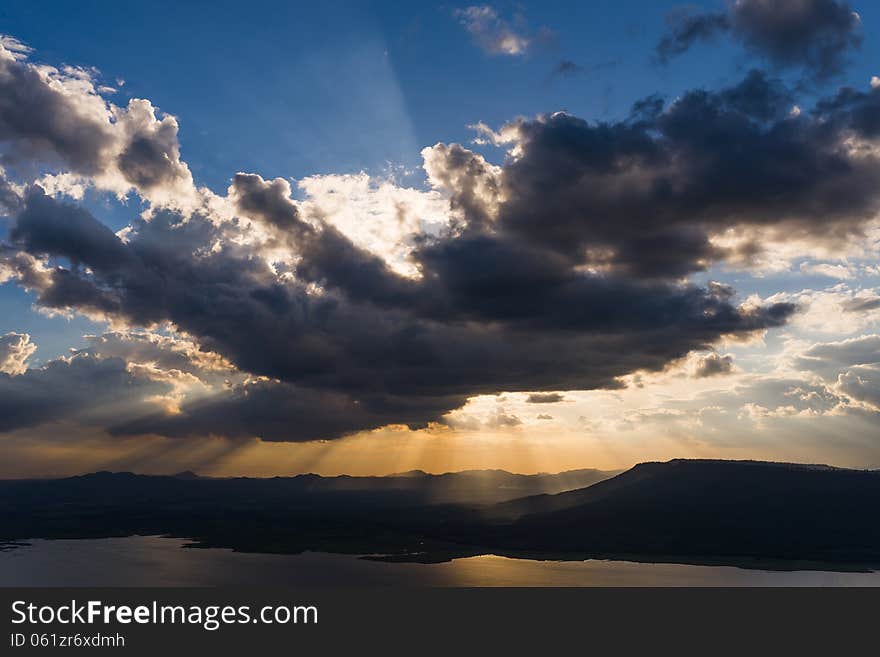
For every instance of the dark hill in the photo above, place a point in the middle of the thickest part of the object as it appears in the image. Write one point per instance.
(279, 514)
(741, 512)
(707, 509)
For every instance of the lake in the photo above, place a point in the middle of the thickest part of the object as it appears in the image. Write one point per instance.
(158, 561)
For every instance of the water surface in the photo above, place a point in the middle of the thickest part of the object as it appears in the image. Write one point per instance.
(157, 561)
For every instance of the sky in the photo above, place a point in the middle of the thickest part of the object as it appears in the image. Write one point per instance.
(367, 238)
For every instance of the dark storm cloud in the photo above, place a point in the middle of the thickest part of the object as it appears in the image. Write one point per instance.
(488, 315)
(109, 384)
(46, 227)
(480, 277)
(816, 35)
(714, 365)
(855, 109)
(83, 388)
(563, 268)
(643, 197)
(490, 278)
(759, 97)
(282, 412)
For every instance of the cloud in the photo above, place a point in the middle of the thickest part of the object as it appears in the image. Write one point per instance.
(861, 304)
(762, 397)
(840, 272)
(492, 33)
(544, 398)
(45, 227)
(714, 365)
(864, 350)
(57, 118)
(501, 419)
(562, 268)
(119, 377)
(374, 347)
(644, 197)
(851, 365)
(862, 383)
(376, 214)
(134, 383)
(685, 28)
(10, 198)
(830, 311)
(83, 389)
(276, 411)
(164, 352)
(15, 349)
(816, 35)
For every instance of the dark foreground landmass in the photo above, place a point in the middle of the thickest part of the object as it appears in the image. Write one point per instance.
(688, 511)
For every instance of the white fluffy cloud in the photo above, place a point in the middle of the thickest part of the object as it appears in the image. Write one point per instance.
(376, 214)
(15, 349)
(836, 310)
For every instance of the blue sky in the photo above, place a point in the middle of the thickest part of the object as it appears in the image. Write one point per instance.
(294, 89)
(339, 100)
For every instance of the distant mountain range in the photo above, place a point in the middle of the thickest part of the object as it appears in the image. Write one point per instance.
(693, 511)
(408, 488)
